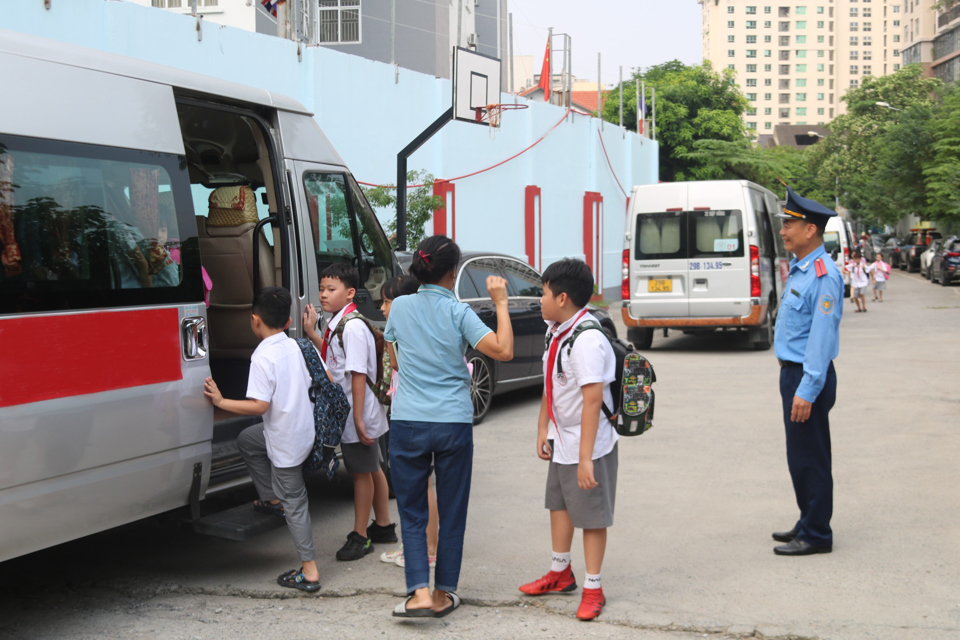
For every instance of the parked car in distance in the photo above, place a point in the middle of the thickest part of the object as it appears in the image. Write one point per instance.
(945, 265)
(891, 251)
(916, 243)
(524, 289)
(927, 256)
(838, 244)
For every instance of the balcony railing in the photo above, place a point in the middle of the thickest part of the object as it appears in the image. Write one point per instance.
(948, 16)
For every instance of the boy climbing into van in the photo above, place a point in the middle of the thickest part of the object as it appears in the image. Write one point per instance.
(278, 390)
(351, 357)
(574, 436)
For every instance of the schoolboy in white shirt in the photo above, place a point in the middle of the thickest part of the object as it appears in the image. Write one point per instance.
(278, 390)
(351, 363)
(575, 436)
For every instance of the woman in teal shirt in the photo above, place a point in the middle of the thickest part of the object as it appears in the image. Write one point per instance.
(432, 416)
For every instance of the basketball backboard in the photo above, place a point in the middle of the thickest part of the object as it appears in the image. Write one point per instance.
(476, 83)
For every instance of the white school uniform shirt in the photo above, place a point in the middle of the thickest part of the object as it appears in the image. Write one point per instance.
(279, 375)
(880, 271)
(591, 360)
(859, 271)
(358, 353)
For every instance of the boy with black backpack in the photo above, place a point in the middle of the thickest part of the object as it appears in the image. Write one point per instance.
(278, 390)
(574, 434)
(348, 347)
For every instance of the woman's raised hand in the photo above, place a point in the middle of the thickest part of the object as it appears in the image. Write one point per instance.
(497, 287)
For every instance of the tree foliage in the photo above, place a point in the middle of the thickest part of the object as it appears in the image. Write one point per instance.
(421, 203)
(693, 103)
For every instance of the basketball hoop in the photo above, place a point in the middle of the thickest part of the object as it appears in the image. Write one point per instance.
(492, 113)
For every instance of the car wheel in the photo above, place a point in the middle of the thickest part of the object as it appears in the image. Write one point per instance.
(944, 279)
(765, 332)
(384, 444)
(641, 338)
(481, 385)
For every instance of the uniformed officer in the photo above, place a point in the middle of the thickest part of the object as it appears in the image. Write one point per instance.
(806, 342)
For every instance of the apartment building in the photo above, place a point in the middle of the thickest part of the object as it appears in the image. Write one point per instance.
(414, 34)
(919, 24)
(946, 45)
(794, 62)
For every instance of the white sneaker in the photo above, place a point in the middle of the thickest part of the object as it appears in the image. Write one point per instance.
(391, 556)
(400, 562)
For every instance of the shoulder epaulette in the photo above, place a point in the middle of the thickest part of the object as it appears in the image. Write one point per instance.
(820, 267)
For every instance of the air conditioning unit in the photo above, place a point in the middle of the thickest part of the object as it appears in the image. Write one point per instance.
(472, 40)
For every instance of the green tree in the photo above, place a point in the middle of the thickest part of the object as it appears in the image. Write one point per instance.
(693, 103)
(864, 157)
(942, 172)
(421, 204)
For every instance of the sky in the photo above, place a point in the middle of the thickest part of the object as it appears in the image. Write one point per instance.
(631, 33)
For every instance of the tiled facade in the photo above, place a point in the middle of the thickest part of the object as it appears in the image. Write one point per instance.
(946, 45)
(795, 61)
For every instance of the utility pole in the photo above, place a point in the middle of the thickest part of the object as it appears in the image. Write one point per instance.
(569, 102)
(510, 29)
(459, 20)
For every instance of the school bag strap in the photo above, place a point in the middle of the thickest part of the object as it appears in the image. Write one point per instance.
(586, 325)
(330, 411)
(378, 345)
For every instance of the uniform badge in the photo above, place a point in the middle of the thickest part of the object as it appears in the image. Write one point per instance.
(826, 304)
(562, 379)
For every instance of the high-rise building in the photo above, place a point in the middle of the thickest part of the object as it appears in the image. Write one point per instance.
(946, 45)
(919, 28)
(794, 62)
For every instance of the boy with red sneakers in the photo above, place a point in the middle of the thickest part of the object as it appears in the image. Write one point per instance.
(574, 435)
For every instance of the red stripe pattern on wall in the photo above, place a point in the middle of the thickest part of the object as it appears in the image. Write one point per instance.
(58, 356)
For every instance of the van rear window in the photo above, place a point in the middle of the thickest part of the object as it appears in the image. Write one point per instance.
(689, 234)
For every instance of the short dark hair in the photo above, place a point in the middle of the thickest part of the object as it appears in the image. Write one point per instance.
(272, 304)
(343, 272)
(404, 285)
(572, 277)
(434, 258)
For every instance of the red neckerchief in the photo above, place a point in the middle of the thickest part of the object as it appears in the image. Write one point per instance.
(551, 363)
(350, 308)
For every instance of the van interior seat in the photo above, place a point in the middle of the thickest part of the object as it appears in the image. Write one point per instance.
(226, 251)
(708, 231)
(649, 238)
(670, 236)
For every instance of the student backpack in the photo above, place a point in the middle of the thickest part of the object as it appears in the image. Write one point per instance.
(330, 411)
(632, 390)
(378, 343)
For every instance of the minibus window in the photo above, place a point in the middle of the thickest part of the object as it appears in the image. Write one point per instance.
(79, 222)
(717, 233)
(376, 261)
(329, 219)
(660, 236)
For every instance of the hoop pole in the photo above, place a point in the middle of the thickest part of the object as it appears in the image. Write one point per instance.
(417, 142)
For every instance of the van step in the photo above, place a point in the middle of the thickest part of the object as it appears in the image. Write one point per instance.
(239, 523)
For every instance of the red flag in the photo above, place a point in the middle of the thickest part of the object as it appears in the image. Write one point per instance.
(546, 82)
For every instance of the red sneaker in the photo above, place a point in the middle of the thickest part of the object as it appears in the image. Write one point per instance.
(559, 581)
(591, 604)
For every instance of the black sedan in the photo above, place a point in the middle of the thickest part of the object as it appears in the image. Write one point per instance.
(945, 265)
(524, 288)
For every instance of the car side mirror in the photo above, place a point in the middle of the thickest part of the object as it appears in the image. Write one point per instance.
(835, 254)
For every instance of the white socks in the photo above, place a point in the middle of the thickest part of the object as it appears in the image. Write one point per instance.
(592, 581)
(560, 562)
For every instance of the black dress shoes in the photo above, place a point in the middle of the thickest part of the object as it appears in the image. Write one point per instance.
(785, 536)
(797, 547)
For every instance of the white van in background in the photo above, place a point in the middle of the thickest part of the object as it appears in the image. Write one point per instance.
(700, 256)
(838, 242)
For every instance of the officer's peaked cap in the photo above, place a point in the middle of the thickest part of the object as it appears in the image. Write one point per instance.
(806, 209)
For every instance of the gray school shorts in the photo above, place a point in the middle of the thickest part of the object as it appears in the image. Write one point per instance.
(591, 509)
(360, 458)
(858, 291)
(880, 285)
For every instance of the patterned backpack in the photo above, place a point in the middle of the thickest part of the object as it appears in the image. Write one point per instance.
(330, 411)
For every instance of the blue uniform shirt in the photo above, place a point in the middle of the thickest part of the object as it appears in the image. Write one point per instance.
(808, 324)
(431, 331)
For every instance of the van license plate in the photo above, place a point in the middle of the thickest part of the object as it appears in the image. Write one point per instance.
(660, 286)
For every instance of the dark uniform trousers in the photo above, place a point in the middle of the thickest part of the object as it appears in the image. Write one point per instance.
(808, 456)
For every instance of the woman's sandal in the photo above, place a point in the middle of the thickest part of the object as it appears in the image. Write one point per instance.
(403, 612)
(296, 580)
(269, 507)
(454, 604)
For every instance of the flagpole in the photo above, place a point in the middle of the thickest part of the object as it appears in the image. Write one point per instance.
(643, 108)
(654, 114)
(599, 94)
(549, 87)
(636, 86)
(621, 96)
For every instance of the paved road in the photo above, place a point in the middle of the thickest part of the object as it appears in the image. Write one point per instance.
(690, 553)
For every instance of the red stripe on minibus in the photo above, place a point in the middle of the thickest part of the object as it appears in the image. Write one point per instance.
(60, 356)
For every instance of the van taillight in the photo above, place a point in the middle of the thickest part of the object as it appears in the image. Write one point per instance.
(754, 271)
(625, 272)
(846, 252)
